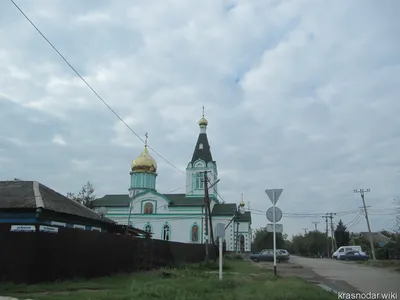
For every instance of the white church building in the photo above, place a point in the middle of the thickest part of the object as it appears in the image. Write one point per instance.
(178, 217)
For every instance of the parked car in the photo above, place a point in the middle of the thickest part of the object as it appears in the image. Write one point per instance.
(283, 252)
(353, 255)
(344, 249)
(268, 255)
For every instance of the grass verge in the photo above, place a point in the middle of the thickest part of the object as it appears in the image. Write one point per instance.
(394, 264)
(193, 282)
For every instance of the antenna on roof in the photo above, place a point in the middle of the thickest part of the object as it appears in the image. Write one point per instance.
(102, 211)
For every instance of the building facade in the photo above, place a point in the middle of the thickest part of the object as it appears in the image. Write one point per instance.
(179, 217)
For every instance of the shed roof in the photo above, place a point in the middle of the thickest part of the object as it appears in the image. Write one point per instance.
(18, 194)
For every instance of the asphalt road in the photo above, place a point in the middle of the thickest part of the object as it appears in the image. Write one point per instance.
(362, 278)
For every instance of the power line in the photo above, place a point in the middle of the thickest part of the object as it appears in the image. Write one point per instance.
(91, 88)
(354, 220)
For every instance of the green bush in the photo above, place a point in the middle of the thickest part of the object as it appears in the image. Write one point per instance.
(234, 256)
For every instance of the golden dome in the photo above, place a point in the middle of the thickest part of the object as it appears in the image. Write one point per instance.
(203, 122)
(144, 163)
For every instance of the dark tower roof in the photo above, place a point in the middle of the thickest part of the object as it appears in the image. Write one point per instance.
(205, 153)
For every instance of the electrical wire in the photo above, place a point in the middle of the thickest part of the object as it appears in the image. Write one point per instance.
(356, 219)
(92, 89)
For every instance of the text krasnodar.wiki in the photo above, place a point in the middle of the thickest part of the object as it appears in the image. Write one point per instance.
(368, 296)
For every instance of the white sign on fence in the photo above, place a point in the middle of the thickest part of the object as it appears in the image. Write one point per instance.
(278, 227)
(23, 228)
(48, 229)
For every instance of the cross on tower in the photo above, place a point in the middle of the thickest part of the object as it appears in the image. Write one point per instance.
(203, 111)
(145, 141)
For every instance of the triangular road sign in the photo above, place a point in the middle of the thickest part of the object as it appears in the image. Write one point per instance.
(271, 195)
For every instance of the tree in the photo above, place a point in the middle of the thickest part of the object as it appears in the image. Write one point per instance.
(85, 196)
(264, 240)
(397, 202)
(342, 235)
(311, 244)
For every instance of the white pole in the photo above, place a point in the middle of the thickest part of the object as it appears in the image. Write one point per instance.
(274, 237)
(220, 257)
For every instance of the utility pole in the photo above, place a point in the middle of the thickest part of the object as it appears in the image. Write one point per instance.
(362, 191)
(209, 210)
(206, 212)
(334, 246)
(305, 230)
(316, 225)
(327, 235)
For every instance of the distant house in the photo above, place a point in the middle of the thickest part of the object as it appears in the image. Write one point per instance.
(32, 206)
(377, 238)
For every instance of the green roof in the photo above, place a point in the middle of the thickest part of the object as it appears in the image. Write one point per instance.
(122, 200)
(182, 200)
(228, 209)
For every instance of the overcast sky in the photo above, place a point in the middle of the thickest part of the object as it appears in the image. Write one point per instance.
(299, 95)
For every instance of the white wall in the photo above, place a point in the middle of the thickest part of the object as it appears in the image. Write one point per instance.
(180, 220)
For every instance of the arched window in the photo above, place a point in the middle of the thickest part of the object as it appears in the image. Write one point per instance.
(199, 180)
(148, 208)
(166, 234)
(195, 233)
(147, 228)
(241, 241)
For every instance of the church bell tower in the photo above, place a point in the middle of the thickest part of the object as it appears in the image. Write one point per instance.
(201, 161)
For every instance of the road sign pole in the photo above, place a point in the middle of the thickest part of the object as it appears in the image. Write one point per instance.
(220, 257)
(220, 236)
(273, 195)
(274, 224)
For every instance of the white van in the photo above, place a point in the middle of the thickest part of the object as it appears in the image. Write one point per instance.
(342, 250)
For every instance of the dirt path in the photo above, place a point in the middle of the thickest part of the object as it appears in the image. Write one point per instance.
(340, 276)
(292, 269)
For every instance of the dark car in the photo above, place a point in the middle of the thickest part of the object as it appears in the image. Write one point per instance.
(268, 255)
(353, 255)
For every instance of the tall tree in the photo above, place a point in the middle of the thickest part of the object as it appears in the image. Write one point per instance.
(310, 244)
(342, 235)
(85, 196)
(264, 240)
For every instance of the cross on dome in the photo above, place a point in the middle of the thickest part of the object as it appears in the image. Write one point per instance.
(203, 121)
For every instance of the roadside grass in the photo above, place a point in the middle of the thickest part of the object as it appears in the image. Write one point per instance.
(192, 282)
(395, 264)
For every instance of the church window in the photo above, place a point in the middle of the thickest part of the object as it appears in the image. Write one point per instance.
(148, 208)
(147, 228)
(199, 180)
(241, 241)
(166, 234)
(195, 233)
(200, 146)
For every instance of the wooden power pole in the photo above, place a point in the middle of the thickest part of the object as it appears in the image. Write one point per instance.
(206, 213)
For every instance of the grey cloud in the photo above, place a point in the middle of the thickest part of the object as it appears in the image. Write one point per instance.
(295, 97)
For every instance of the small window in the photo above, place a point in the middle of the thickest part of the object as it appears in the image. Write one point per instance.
(166, 232)
(147, 228)
(200, 146)
(199, 181)
(341, 250)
